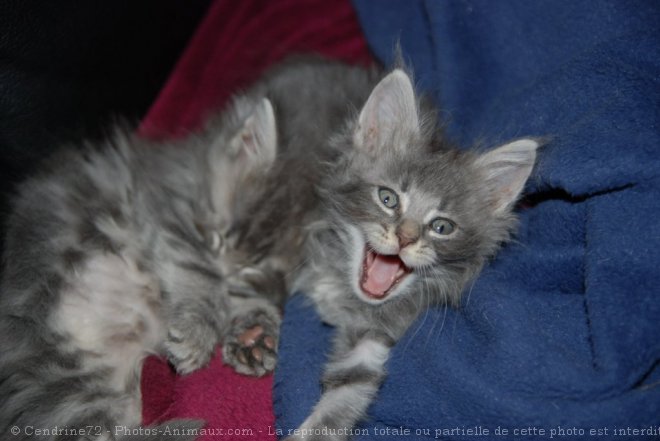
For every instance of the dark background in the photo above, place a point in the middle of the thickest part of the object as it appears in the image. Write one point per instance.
(68, 68)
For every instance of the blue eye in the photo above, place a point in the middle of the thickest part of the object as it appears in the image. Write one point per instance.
(388, 197)
(442, 226)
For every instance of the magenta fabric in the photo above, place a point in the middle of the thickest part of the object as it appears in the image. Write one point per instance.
(235, 42)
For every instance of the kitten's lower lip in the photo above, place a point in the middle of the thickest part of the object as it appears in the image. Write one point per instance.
(380, 274)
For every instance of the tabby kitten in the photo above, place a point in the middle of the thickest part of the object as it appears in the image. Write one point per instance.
(128, 248)
(123, 250)
(408, 223)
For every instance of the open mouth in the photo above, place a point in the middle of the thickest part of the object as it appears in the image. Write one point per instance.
(381, 273)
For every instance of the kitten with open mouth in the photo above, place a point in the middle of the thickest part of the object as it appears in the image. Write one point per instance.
(381, 273)
(409, 221)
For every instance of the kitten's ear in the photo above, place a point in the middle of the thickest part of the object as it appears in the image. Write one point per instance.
(506, 170)
(256, 141)
(389, 116)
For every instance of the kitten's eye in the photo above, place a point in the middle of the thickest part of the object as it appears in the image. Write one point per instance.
(442, 226)
(388, 197)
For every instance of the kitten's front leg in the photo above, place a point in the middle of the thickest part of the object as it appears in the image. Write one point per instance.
(256, 295)
(192, 334)
(196, 312)
(350, 383)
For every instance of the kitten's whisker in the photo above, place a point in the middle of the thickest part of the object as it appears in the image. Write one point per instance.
(432, 329)
(428, 305)
(300, 265)
(469, 295)
(418, 307)
(442, 325)
(453, 334)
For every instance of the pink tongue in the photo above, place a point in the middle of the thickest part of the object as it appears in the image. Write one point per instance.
(381, 274)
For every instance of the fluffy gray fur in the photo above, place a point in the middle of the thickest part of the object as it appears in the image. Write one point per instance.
(408, 222)
(122, 250)
(128, 248)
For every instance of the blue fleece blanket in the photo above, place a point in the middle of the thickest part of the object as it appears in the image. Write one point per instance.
(561, 333)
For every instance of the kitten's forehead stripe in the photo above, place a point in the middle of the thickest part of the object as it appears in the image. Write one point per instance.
(405, 183)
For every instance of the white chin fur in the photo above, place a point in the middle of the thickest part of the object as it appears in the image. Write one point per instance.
(357, 254)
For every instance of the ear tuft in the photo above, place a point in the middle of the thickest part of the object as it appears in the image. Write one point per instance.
(389, 115)
(506, 170)
(256, 141)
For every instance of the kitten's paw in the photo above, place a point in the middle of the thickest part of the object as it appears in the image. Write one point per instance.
(190, 344)
(250, 346)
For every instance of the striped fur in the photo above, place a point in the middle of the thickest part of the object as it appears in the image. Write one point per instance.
(117, 251)
(165, 248)
(125, 249)
(442, 215)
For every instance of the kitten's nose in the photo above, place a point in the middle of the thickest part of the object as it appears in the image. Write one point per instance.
(407, 232)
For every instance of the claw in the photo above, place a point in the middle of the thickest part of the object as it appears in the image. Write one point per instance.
(242, 357)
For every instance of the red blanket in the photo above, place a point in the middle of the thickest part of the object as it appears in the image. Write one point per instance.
(236, 41)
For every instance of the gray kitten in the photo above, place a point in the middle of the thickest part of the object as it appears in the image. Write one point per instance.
(137, 249)
(127, 249)
(408, 222)
(123, 250)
